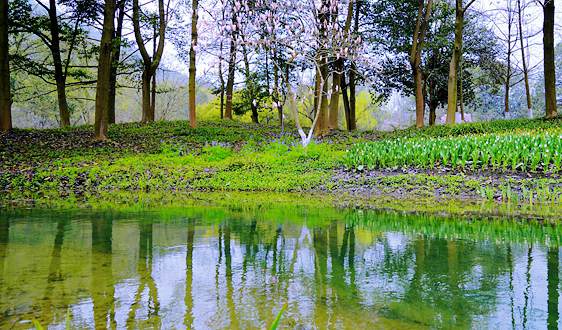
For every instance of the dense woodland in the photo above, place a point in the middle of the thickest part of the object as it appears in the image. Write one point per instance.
(303, 62)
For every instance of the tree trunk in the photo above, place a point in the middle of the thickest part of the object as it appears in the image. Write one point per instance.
(346, 105)
(339, 71)
(276, 91)
(432, 113)
(147, 115)
(192, 64)
(422, 23)
(153, 78)
(324, 111)
(231, 70)
(433, 102)
(150, 65)
(452, 86)
(60, 79)
(153, 96)
(461, 89)
(222, 86)
(230, 80)
(317, 92)
(321, 127)
(461, 98)
(524, 61)
(419, 94)
(335, 97)
(5, 94)
(116, 58)
(509, 52)
(249, 84)
(104, 71)
(507, 88)
(353, 75)
(321, 87)
(352, 98)
(549, 60)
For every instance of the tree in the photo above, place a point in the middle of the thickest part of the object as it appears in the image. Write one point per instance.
(520, 14)
(511, 42)
(231, 59)
(394, 32)
(150, 64)
(322, 19)
(105, 63)
(62, 34)
(338, 73)
(553, 282)
(60, 77)
(350, 102)
(310, 44)
(389, 28)
(452, 99)
(246, 15)
(5, 94)
(192, 64)
(103, 292)
(549, 59)
(118, 34)
(422, 23)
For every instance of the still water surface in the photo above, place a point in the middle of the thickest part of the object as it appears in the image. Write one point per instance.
(231, 268)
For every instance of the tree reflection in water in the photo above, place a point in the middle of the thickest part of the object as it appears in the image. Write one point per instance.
(146, 280)
(102, 283)
(4, 241)
(340, 270)
(553, 278)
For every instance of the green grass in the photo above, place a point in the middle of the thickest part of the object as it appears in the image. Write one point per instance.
(274, 166)
(170, 157)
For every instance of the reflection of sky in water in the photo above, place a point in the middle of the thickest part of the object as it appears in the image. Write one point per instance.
(339, 274)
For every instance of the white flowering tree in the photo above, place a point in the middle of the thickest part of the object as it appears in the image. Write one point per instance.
(308, 38)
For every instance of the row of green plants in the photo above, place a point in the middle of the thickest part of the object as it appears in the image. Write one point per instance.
(521, 194)
(535, 152)
(491, 127)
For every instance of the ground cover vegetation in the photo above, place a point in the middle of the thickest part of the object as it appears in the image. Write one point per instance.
(514, 161)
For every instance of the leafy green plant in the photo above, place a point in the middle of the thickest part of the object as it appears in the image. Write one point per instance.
(216, 153)
(537, 151)
(275, 323)
(37, 325)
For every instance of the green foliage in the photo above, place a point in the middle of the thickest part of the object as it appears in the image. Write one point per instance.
(365, 108)
(164, 157)
(216, 153)
(254, 93)
(37, 325)
(538, 151)
(232, 156)
(275, 323)
(392, 25)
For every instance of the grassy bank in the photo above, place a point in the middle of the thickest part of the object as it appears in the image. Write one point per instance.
(516, 162)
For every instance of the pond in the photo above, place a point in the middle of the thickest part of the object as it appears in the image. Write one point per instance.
(236, 267)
